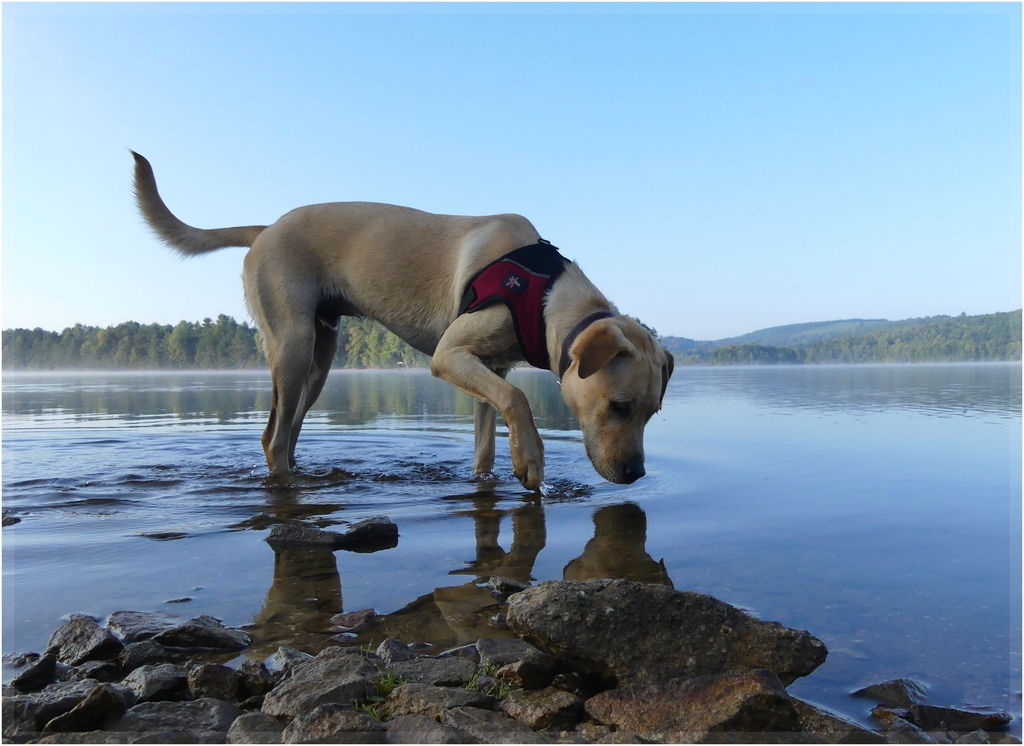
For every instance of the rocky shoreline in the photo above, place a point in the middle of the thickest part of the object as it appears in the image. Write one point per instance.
(597, 661)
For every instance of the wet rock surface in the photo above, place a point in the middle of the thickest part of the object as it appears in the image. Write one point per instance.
(203, 632)
(370, 535)
(135, 626)
(640, 633)
(81, 639)
(492, 691)
(352, 621)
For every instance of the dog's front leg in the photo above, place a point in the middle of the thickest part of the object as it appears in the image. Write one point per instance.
(483, 433)
(457, 362)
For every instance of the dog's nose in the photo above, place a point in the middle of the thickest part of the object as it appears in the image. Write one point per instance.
(632, 471)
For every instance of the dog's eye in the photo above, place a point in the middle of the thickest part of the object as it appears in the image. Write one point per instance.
(621, 408)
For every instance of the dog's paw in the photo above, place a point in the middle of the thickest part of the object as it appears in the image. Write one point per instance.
(531, 476)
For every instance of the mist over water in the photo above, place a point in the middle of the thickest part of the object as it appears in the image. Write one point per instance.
(876, 506)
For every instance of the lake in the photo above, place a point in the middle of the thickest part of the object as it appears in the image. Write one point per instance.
(878, 507)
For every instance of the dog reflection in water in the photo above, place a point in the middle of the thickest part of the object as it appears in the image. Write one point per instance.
(306, 589)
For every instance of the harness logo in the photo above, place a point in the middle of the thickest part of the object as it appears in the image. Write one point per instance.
(515, 282)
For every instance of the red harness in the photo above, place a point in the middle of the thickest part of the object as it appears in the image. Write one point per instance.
(520, 280)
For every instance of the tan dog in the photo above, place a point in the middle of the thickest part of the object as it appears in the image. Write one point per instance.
(408, 269)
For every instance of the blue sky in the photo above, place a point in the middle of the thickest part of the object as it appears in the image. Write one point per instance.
(715, 169)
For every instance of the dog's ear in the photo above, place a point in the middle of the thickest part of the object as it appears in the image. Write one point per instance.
(598, 346)
(666, 373)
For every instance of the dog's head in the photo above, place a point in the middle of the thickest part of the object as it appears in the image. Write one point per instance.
(615, 383)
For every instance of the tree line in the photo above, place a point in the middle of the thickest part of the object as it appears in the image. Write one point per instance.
(225, 344)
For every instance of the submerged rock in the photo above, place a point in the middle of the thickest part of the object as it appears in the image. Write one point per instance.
(370, 535)
(333, 677)
(700, 709)
(635, 633)
(896, 692)
(334, 723)
(81, 639)
(203, 632)
(352, 621)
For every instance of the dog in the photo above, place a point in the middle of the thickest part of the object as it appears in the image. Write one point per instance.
(411, 271)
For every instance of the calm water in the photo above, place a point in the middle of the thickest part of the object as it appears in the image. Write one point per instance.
(877, 507)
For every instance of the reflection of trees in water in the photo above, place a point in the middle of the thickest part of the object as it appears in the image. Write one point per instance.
(953, 389)
(306, 587)
(349, 398)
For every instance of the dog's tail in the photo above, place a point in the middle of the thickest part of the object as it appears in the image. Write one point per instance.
(183, 238)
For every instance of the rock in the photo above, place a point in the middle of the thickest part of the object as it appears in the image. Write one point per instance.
(930, 717)
(19, 718)
(6, 519)
(699, 709)
(436, 671)
(901, 731)
(526, 675)
(214, 681)
(632, 633)
(886, 714)
(202, 717)
(95, 736)
(432, 701)
(203, 632)
(181, 736)
(486, 726)
(135, 626)
(499, 652)
(394, 651)
(975, 736)
(334, 723)
(53, 701)
(544, 708)
(826, 727)
(145, 653)
(333, 677)
(81, 639)
(105, 702)
(419, 729)
(583, 686)
(502, 588)
(98, 670)
(255, 727)
(164, 682)
(352, 621)
(20, 660)
(896, 692)
(37, 674)
(254, 679)
(463, 651)
(285, 659)
(369, 535)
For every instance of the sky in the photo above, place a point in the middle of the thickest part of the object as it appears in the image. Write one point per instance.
(714, 168)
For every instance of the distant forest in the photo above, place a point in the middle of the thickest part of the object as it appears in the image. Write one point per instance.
(225, 344)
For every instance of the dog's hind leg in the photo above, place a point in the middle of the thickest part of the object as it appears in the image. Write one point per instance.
(484, 416)
(290, 356)
(324, 347)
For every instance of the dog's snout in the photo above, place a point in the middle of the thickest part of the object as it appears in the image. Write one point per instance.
(632, 471)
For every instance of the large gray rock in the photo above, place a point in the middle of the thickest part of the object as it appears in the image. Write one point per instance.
(213, 680)
(81, 639)
(702, 709)
(95, 736)
(394, 651)
(498, 652)
(432, 701)
(255, 727)
(99, 670)
(282, 661)
(204, 632)
(334, 723)
(896, 692)
(164, 682)
(544, 708)
(827, 727)
(963, 719)
(335, 676)
(135, 626)
(144, 653)
(37, 674)
(436, 671)
(369, 535)
(202, 717)
(637, 633)
(254, 679)
(107, 702)
(419, 729)
(29, 713)
(486, 726)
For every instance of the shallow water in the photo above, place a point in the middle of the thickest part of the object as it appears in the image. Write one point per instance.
(878, 507)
